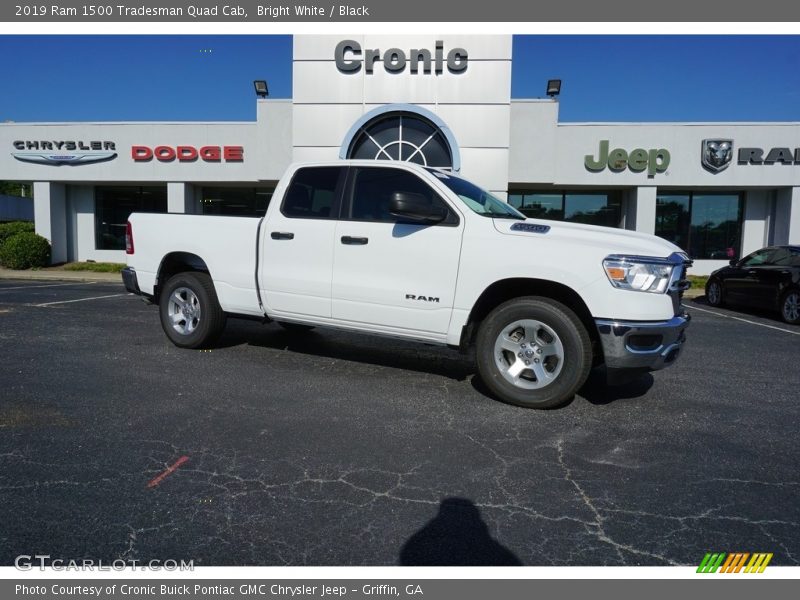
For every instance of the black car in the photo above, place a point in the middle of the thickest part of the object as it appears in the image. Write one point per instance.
(768, 278)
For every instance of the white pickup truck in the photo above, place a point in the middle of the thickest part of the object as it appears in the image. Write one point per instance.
(395, 249)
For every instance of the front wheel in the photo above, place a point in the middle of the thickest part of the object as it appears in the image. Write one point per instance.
(190, 312)
(790, 307)
(533, 352)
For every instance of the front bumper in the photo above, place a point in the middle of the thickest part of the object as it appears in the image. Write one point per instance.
(642, 346)
(131, 281)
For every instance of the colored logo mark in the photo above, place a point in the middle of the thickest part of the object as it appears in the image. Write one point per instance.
(734, 562)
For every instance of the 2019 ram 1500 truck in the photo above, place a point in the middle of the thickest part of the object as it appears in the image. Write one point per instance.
(397, 249)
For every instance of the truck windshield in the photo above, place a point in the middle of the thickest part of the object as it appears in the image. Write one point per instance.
(478, 200)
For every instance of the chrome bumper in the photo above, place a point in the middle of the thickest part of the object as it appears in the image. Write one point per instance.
(642, 345)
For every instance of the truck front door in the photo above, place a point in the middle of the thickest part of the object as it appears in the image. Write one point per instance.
(392, 275)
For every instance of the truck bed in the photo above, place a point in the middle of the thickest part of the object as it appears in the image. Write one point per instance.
(227, 245)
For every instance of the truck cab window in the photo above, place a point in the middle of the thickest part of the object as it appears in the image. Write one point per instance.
(372, 188)
(312, 193)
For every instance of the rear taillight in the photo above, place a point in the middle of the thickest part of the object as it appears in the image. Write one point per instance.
(128, 238)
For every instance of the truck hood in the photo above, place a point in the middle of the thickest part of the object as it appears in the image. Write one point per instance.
(604, 239)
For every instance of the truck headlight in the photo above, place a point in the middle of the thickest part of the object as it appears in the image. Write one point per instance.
(638, 273)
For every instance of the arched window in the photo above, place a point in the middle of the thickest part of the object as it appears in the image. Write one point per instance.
(402, 135)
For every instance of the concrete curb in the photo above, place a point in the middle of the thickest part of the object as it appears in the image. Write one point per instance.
(77, 276)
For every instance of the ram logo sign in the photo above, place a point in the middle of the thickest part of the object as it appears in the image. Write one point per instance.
(717, 155)
(421, 298)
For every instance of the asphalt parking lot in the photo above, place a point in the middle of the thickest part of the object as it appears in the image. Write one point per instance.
(326, 448)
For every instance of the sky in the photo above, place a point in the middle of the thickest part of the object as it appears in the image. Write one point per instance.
(210, 78)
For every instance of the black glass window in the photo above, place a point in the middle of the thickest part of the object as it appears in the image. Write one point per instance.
(312, 193)
(759, 257)
(373, 189)
(592, 208)
(539, 206)
(784, 257)
(236, 201)
(707, 226)
(672, 218)
(402, 136)
(113, 206)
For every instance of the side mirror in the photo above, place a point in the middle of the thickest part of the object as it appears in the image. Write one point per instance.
(414, 207)
(733, 262)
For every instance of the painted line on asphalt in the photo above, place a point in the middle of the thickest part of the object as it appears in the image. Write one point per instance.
(741, 319)
(81, 299)
(168, 471)
(34, 287)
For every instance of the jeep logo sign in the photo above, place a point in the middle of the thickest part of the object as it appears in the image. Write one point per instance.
(655, 160)
(350, 58)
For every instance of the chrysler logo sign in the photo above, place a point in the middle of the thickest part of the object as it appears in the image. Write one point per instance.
(717, 154)
(63, 152)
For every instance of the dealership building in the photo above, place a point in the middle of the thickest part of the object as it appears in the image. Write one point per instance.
(718, 190)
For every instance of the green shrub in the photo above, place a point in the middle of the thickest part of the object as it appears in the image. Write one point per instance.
(97, 267)
(25, 250)
(13, 228)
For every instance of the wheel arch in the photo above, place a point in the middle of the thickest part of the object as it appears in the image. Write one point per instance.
(507, 289)
(177, 262)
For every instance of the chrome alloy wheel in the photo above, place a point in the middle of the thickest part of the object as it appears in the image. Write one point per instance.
(184, 311)
(714, 293)
(529, 354)
(791, 307)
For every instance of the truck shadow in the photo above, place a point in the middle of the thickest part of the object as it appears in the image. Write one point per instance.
(597, 392)
(400, 354)
(342, 345)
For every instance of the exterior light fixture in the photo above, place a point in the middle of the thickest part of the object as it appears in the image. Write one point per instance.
(262, 91)
(553, 87)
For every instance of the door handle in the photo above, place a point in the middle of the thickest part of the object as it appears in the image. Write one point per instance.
(354, 241)
(282, 235)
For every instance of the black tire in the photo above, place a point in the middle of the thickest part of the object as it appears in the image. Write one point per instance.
(295, 327)
(571, 333)
(199, 331)
(715, 293)
(787, 313)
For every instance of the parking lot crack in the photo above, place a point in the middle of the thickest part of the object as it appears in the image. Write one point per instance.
(596, 528)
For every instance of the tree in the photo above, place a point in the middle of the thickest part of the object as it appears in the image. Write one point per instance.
(16, 188)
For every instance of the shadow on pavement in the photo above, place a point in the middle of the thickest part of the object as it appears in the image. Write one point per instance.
(399, 354)
(340, 345)
(597, 391)
(456, 536)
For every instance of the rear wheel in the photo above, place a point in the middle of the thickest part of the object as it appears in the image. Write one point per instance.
(533, 352)
(190, 312)
(790, 307)
(714, 292)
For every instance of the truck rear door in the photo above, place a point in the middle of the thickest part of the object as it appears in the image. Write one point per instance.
(296, 260)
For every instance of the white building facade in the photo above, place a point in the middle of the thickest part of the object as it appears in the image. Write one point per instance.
(718, 190)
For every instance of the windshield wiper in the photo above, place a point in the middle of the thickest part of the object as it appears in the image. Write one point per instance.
(504, 216)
